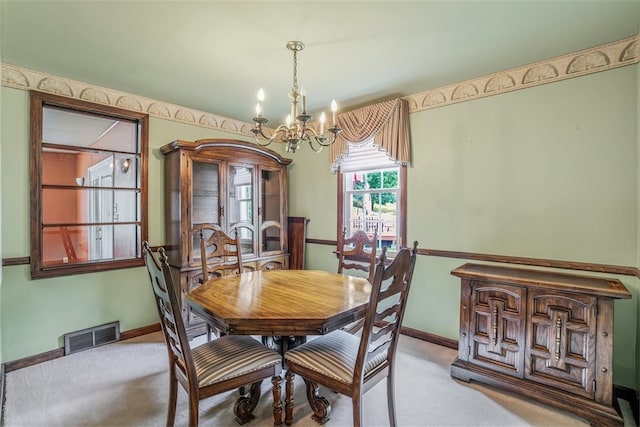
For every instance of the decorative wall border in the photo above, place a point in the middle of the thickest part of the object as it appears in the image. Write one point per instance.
(26, 79)
(601, 58)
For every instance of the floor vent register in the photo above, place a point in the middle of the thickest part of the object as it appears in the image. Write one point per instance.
(91, 337)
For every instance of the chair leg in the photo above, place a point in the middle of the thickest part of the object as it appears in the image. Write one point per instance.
(320, 405)
(193, 409)
(391, 400)
(357, 410)
(288, 400)
(173, 395)
(277, 400)
(244, 406)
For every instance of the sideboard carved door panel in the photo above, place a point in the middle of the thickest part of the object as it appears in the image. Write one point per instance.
(497, 327)
(561, 339)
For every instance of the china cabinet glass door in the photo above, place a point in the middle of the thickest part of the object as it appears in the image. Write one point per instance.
(240, 216)
(205, 199)
(271, 211)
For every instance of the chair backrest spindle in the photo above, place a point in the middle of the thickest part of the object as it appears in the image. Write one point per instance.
(354, 247)
(220, 254)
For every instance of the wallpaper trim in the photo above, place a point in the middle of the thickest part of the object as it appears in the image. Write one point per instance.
(601, 58)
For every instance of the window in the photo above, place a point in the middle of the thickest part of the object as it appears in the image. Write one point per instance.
(372, 197)
(88, 186)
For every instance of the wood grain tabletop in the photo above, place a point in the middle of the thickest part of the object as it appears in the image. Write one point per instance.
(281, 302)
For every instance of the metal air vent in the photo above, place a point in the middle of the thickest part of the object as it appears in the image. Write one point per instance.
(91, 337)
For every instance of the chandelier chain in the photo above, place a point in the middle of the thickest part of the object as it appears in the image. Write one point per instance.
(295, 131)
(295, 71)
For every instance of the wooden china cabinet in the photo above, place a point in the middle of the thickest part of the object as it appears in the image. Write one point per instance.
(546, 335)
(236, 185)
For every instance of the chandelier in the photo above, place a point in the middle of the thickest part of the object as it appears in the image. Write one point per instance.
(294, 132)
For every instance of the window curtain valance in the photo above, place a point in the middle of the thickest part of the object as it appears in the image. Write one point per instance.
(385, 123)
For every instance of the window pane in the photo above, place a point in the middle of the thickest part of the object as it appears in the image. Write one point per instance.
(370, 206)
(83, 168)
(388, 219)
(89, 205)
(204, 193)
(80, 244)
(240, 195)
(271, 196)
(374, 179)
(246, 240)
(71, 127)
(271, 239)
(390, 178)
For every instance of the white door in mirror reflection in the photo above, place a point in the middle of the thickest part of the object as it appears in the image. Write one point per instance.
(101, 210)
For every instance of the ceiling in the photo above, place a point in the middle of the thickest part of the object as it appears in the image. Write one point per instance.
(215, 55)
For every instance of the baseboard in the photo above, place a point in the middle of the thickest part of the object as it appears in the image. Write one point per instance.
(33, 360)
(432, 338)
(59, 352)
(138, 332)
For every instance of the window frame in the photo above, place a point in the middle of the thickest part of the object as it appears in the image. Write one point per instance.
(402, 202)
(38, 101)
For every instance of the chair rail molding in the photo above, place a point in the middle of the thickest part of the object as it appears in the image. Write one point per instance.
(600, 58)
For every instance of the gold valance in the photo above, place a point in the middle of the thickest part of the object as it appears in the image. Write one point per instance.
(386, 123)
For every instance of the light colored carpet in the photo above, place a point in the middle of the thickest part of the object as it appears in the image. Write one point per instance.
(125, 384)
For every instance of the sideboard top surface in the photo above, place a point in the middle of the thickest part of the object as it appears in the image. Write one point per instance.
(601, 286)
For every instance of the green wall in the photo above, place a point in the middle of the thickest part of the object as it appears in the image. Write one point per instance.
(546, 172)
(37, 313)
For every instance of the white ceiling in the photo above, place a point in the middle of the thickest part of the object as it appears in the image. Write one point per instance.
(215, 55)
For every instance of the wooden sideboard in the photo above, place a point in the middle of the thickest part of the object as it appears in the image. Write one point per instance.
(542, 334)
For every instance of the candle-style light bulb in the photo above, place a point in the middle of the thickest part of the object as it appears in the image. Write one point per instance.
(303, 93)
(259, 106)
(323, 118)
(334, 108)
(289, 120)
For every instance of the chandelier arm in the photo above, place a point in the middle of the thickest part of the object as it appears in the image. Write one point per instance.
(258, 132)
(323, 140)
(319, 149)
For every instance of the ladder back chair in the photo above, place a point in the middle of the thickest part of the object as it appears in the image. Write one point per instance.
(227, 363)
(353, 255)
(225, 252)
(352, 252)
(218, 246)
(351, 365)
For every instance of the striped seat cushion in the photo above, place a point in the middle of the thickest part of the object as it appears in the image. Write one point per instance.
(333, 355)
(231, 356)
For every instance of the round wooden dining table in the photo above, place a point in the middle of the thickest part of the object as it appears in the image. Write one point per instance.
(281, 302)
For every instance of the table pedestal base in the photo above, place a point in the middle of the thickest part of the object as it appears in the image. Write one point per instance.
(282, 344)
